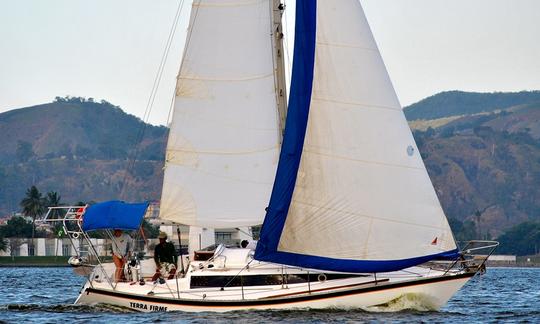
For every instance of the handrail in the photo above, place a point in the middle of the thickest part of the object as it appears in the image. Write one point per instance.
(492, 244)
(73, 215)
(466, 259)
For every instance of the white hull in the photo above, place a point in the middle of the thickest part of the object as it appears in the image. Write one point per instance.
(431, 290)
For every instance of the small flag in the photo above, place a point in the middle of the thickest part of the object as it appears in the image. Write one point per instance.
(434, 242)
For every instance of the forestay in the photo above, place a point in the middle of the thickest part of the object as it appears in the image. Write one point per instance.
(356, 196)
(224, 138)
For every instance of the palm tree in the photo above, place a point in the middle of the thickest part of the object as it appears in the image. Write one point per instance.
(33, 205)
(53, 199)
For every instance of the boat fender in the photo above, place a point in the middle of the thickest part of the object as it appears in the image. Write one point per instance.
(321, 277)
(75, 261)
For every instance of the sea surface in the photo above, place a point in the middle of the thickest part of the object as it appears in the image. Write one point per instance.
(46, 295)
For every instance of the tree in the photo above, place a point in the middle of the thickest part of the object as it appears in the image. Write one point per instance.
(33, 205)
(522, 239)
(463, 231)
(14, 245)
(3, 243)
(150, 230)
(16, 227)
(53, 199)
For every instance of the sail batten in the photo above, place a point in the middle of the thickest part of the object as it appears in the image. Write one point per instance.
(362, 105)
(360, 198)
(240, 79)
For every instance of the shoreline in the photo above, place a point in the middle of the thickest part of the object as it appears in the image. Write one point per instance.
(34, 261)
(34, 265)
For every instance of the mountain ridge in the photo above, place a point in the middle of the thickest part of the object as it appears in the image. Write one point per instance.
(455, 103)
(486, 161)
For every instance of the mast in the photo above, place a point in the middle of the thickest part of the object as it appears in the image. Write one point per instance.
(279, 63)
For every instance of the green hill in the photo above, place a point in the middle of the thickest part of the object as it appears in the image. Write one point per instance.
(76, 127)
(456, 103)
(81, 149)
(487, 162)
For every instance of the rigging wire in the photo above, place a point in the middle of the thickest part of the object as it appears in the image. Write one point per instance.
(286, 42)
(151, 99)
(188, 40)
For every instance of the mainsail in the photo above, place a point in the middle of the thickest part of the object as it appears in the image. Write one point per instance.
(351, 191)
(224, 137)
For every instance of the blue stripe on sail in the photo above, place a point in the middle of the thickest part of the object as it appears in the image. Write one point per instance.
(289, 161)
(295, 130)
(358, 266)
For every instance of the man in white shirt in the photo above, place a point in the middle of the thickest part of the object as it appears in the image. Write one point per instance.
(122, 246)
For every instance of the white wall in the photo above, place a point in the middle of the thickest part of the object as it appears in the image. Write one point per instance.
(507, 258)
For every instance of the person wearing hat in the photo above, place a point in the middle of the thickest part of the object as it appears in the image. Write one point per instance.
(165, 257)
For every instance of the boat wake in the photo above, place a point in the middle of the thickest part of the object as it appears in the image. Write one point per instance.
(406, 302)
(68, 308)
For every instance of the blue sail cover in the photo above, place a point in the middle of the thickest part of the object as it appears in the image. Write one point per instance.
(295, 131)
(114, 215)
(291, 154)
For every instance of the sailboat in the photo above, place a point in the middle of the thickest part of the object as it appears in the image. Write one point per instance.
(349, 215)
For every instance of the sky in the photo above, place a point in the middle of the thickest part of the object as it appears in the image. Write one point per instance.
(111, 50)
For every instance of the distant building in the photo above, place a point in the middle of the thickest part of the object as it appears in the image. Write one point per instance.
(207, 237)
(501, 260)
(153, 210)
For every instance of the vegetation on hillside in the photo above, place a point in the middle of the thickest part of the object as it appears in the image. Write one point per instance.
(83, 147)
(484, 159)
(523, 239)
(456, 103)
(78, 128)
(486, 170)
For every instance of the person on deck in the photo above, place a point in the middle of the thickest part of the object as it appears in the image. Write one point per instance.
(121, 250)
(165, 257)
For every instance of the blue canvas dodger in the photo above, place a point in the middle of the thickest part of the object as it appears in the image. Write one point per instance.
(114, 215)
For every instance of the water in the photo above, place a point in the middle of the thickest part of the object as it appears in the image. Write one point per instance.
(46, 295)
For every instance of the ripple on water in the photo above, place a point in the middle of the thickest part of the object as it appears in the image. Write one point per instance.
(69, 308)
(493, 297)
